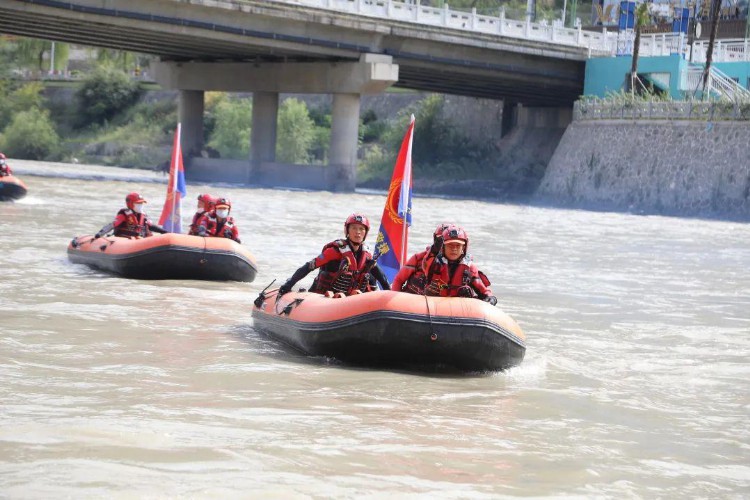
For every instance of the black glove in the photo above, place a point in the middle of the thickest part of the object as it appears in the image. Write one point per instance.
(284, 289)
(97, 236)
(228, 234)
(491, 300)
(201, 231)
(437, 245)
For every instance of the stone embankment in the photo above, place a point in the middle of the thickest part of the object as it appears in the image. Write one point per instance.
(690, 168)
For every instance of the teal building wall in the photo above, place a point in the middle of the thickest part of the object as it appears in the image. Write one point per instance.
(608, 74)
(740, 71)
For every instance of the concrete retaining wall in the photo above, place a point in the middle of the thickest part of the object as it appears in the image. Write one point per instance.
(669, 167)
(315, 177)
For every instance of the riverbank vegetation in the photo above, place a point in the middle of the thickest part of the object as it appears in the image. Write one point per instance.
(108, 116)
(112, 120)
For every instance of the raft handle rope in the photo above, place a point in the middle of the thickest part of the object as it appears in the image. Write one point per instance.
(433, 335)
(288, 309)
(205, 250)
(109, 242)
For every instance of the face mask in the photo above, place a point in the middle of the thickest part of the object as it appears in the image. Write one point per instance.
(222, 214)
(138, 208)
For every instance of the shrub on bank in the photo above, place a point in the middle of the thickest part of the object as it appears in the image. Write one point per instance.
(232, 119)
(295, 133)
(440, 151)
(30, 135)
(104, 94)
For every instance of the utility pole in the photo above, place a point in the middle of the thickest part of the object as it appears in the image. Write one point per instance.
(52, 59)
(573, 13)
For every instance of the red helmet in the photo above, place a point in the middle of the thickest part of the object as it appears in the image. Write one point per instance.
(134, 198)
(454, 233)
(222, 202)
(439, 230)
(356, 219)
(207, 201)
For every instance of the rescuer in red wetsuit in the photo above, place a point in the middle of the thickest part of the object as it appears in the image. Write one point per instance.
(5, 169)
(131, 222)
(453, 274)
(346, 265)
(205, 205)
(218, 223)
(412, 277)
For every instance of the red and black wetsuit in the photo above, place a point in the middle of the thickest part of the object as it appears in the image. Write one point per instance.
(342, 269)
(130, 224)
(210, 225)
(456, 279)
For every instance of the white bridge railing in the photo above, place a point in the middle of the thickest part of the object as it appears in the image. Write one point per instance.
(724, 51)
(598, 44)
(664, 44)
(471, 21)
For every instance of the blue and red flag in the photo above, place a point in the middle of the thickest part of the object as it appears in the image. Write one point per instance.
(171, 214)
(391, 246)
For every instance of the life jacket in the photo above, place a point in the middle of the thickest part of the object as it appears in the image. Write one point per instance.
(134, 226)
(216, 228)
(461, 283)
(5, 170)
(194, 225)
(346, 274)
(418, 280)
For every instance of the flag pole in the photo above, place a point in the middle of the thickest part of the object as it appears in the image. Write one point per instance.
(175, 165)
(405, 184)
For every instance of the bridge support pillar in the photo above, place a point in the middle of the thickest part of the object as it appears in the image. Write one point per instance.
(509, 118)
(263, 134)
(344, 137)
(190, 114)
(346, 80)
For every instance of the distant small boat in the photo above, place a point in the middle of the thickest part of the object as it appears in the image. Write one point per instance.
(11, 188)
(394, 330)
(166, 256)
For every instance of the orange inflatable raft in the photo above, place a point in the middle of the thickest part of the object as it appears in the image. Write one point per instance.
(11, 188)
(166, 256)
(394, 329)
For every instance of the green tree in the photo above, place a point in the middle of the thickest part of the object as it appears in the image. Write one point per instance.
(30, 135)
(642, 19)
(125, 61)
(232, 126)
(31, 52)
(715, 11)
(14, 100)
(104, 94)
(295, 132)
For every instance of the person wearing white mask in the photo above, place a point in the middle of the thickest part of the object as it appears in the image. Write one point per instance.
(131, 222)
(218, 223)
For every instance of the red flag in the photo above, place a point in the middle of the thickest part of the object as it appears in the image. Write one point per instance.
(391, 246)
(171, 214)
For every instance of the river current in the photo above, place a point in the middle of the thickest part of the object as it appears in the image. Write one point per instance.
(635, 384)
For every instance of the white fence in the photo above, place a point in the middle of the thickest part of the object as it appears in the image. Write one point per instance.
(471, 21)
(602, 44)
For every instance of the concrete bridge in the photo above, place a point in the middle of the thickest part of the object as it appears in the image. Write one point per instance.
(346, 48)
